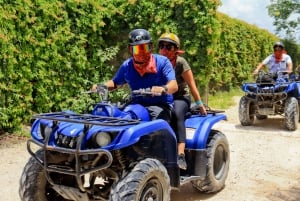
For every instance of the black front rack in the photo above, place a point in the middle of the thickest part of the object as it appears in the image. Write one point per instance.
(86, 119)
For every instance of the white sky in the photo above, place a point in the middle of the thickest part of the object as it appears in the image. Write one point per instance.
(250, 11)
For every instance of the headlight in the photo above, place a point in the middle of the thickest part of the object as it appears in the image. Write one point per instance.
(102, 139)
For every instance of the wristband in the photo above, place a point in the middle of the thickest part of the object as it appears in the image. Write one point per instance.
(199, 102)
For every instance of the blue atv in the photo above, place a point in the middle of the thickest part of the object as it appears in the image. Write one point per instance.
(271, 94)
(117, 153)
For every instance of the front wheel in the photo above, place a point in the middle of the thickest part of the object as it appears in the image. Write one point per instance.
(291, 114)
(246, 111)
(148, 180)
(218, 164)
(34, 185)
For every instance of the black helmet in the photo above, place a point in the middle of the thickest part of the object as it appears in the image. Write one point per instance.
(139, 36)
(278, 44)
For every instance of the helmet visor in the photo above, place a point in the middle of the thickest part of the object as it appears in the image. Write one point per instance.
(142, 48)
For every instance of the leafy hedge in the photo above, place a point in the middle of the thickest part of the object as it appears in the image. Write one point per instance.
(51, 51)
(239, 49)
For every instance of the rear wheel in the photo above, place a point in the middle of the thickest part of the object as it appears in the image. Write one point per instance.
(217, 166)
(148, 180)
(246, 111)
(291, 113)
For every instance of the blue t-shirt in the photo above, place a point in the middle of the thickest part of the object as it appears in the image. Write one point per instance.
(165, 73)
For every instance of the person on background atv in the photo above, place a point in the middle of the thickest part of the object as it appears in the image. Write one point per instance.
(169, 45)
(278, 61)
(147, 70)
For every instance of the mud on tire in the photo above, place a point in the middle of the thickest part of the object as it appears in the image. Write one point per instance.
(246, 111)
(148, 180)
(33, 183)
(291, 114)
(218, 164)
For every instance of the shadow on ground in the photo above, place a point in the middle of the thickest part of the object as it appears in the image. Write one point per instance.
(291, 194)
(188, 193)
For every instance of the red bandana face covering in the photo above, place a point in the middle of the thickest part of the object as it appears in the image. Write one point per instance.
(143, 60)
(171, 54)
(278, 55)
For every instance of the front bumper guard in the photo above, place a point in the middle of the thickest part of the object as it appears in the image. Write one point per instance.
(77, 171)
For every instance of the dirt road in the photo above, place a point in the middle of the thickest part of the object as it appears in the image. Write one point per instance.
(265, 164)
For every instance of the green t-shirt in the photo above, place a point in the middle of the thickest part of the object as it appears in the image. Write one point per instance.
(181, 67)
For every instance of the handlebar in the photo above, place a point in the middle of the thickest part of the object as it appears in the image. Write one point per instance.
(101, 90)
(146, 92)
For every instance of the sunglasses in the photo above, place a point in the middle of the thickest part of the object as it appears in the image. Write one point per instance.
(168, 46)
(137, 49)
(276, 48)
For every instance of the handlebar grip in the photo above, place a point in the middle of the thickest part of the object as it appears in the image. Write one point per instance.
(101, 87)
(147, 91)
(142, 91)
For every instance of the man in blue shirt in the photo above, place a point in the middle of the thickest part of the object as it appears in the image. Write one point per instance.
(147, 70)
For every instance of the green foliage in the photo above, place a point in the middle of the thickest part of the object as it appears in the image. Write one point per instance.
(286, 15)
(224, 99)
(293, 50)
(238, 50)
(52, 51)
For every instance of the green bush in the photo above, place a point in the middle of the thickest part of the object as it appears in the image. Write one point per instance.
(51, 51)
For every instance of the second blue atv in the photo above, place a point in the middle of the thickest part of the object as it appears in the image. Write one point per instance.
(271, 94)
(118, 154)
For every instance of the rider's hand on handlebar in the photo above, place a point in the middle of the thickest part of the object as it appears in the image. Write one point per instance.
(255, 72)
(202, 109)
(99, 88)
(158, 90)
(94, 88)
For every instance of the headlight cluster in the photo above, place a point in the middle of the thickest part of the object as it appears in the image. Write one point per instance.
(66, 141)
(68, 135)
(103, 138)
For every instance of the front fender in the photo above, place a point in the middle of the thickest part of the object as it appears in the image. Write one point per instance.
(294, 87)
(198, 129)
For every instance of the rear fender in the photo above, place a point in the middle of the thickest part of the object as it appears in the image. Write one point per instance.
(198, 129)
